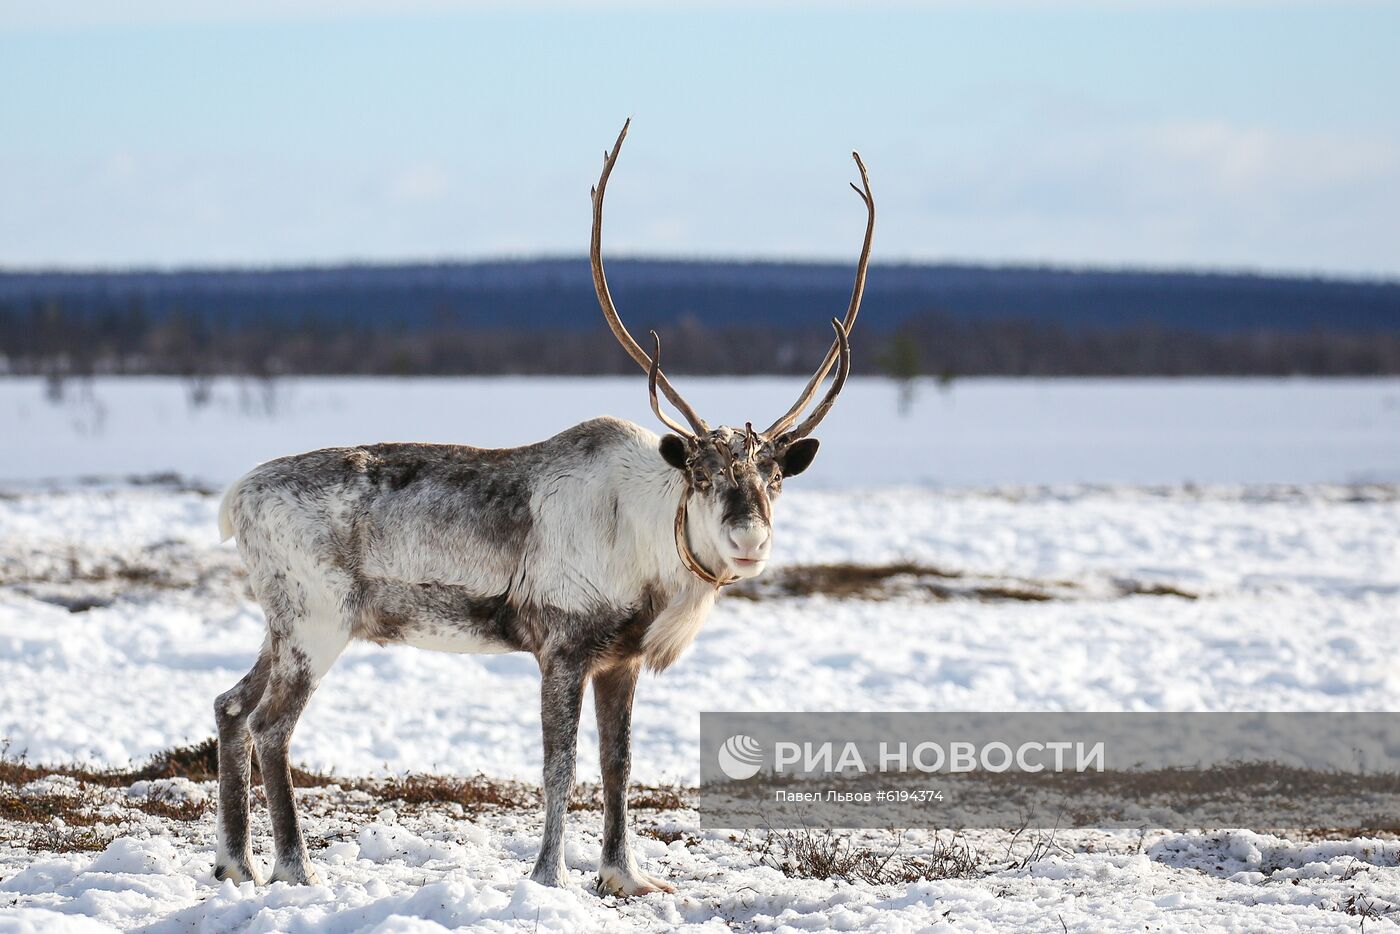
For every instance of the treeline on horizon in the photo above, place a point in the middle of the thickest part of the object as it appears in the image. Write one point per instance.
(557, 295)
(540, 316)
(51, 341)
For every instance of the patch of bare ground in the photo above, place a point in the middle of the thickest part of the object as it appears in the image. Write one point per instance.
(74, 808)
(474, 795)
(62, 808)
(1268, 797)
(80, 580)
(199, 763)
(846, 581)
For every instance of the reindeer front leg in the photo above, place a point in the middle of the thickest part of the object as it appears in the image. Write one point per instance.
(561, 696)
(612, 698)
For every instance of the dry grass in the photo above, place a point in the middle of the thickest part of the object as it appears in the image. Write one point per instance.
(181, 810)
(850, 581)
(480, 793)
(656, 798)
(847, 581)
(1144, 589)
(62, 820)
(81, 579)
(474, 795)
(1367, 908)
(200, 763)
(823, 854)
(74, 809)
(88, 815)
(669, 836)
(55, 839)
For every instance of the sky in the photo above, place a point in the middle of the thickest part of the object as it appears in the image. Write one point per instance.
(1246, 135)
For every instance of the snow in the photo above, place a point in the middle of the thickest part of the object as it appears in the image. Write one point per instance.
(1300, 591)
(433, 879)
(978, 432)
(121, 618)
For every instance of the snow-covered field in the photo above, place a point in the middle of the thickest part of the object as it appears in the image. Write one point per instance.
(978, 432)
(1273, 585)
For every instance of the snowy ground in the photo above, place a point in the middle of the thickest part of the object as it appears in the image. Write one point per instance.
(978, 432)
(120, 619)
(411, 869)
(1297, 592)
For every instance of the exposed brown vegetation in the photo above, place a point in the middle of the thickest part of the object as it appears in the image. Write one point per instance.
(474, 794)
(56, 839)
(859, 581)
(91, 813)
(847, 581)
(171, 809)
(81, 582)
(656, 798)
(808, 854)
(198, 762)
(479, 793)
(1266, 796)
(74, 809)
(669, 836)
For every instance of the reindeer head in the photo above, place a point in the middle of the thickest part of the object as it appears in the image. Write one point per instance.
(732, 475)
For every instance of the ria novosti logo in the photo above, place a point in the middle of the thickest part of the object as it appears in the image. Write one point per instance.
(740, 757)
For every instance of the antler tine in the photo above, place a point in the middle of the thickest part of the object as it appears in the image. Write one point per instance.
(653, 372)
(853, 309)
(600, 285)
(844, 352)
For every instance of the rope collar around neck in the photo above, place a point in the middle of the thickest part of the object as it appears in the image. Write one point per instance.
(683, 546)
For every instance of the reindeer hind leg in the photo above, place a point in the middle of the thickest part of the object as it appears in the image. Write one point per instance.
(300, 657)
(234, 856)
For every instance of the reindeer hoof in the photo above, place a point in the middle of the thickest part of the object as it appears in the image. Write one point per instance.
(616, 881)
(295, 874)
(239, 874)
(554, 878)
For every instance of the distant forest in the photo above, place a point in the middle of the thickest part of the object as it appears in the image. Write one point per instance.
(541, 317)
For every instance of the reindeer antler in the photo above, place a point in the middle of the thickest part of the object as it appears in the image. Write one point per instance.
(844, 350)
(843, 330)
(600, 283)
(653, 374)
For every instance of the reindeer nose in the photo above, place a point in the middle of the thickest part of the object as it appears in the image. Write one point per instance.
(750, 539)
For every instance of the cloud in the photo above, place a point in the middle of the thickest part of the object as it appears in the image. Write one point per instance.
(419, 183)
(1172, 192)
(1244, 161)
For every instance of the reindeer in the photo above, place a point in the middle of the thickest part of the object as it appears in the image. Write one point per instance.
(559, 549)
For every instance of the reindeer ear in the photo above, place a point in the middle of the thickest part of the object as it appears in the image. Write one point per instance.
(673, 451)
(797, 457)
